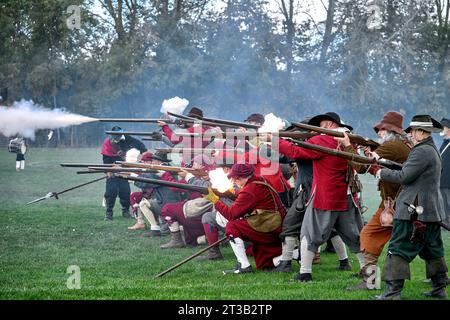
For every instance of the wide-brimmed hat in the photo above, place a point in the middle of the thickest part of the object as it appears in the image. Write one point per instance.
(445, 122)
(256, 118)
(241, 170)
(392, 121)
(424, 122)
(197, 207)
(161, 156)
(147, 156)
(332, 116)
(195, 113)
(204, 161)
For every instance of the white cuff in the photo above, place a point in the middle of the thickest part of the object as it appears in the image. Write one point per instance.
(188, 176)
(378, 174)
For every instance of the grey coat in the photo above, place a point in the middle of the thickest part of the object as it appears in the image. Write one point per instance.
(420, 178)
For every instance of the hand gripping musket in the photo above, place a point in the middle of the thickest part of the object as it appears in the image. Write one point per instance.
(218, 122)
(56, 194)
(353, 137)
(351, 156)
(189, 187)
(159, 275)
(149, 166)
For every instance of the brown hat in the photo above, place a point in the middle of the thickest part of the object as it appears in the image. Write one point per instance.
(196, 113)
(392, 121)
(255, 117)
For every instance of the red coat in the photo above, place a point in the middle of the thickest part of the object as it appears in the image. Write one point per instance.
(329, 172)
(275, 179)
(187, 141)
(252, 196)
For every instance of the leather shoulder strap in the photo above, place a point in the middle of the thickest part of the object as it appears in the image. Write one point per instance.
(272, 190)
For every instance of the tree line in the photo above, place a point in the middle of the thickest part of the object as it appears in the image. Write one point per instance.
(122, 58)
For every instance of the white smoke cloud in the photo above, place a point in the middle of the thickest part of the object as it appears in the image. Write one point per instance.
(132, 155)
(272, 123)
(24, 118)
(219, 180)
(174, 105)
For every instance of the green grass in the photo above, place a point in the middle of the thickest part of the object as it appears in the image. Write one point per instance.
(38, 243)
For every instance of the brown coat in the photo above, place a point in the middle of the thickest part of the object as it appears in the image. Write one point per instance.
(396, 151)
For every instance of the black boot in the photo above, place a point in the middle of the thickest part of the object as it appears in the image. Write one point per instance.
(284, 266)
(439, 283)
(108, 215)
(302, 277)
(393, 290)
(110, 201)
(436, 270)
(344, 265)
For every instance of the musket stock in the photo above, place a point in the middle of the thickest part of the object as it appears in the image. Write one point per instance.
(351, 156)
(353, 137)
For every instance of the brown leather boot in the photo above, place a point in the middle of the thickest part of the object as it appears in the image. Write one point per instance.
(175, 242)
(138, 226)
(316, 259)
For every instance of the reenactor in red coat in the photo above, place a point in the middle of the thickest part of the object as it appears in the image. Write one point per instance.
(331, 204)
(255, 216)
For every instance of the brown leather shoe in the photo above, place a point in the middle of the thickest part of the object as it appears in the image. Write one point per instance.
(138, 226)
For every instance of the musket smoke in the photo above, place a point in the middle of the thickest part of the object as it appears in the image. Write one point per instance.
(25, 117)
(174, 105)
(272, 123)
(219, 180)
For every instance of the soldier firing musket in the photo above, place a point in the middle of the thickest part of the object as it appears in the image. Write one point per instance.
(353, 137)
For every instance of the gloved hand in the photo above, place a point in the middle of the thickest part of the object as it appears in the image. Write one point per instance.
(418, 234)
(211, 196)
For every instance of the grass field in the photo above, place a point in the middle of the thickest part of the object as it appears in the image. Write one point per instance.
(39, 242)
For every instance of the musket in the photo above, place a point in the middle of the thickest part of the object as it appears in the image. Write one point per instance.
(218, 122)
(193, 150)
(85, 165)
(353, 137)
(56, 194)
(135, 133)
(184, 186)
(191, 257)
(168, 121)
(351, 156)
(149, 166)
(249, 134)
(115, 169)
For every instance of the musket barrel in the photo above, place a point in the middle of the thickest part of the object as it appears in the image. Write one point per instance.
(148, 120)
(134, 133)
(202, 190)
(85, 165)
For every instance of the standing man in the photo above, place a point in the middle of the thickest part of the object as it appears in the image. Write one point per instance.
(114, 149)
(417, 232)
(445, 175)
(331, 204)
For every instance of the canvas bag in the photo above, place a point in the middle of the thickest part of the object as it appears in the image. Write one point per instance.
(263, 220)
